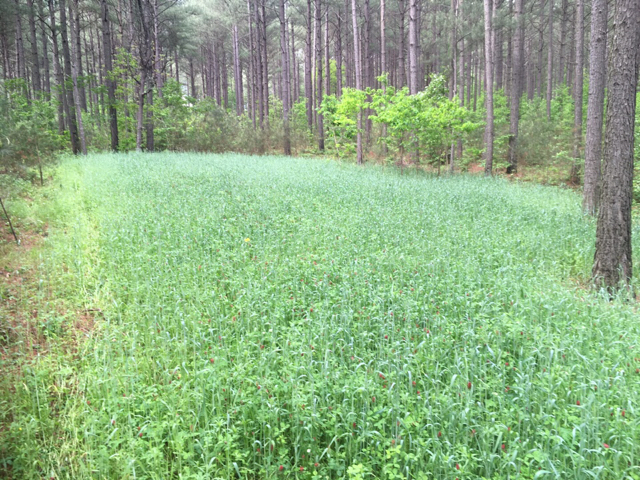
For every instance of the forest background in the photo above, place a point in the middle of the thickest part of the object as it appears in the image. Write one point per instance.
(401, 82)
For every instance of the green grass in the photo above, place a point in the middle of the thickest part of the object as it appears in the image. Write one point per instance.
(263, 315)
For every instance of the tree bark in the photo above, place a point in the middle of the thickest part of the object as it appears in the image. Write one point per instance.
(109, 76)
(35, 63)
(358, 72)
(252, 88)
(413, 47)
(57, 70)
(577, 91)
(498, 50)
(318, 30)
(20, 56)
(70, 110)
(224, 83)
(74, 80)
(75, 38)
(286, 84)
(236, 72)
(612, 261)
(338, 55)
(488, 132)
(595, 107)
(550, 61)
(265, 65)
(46, 81)
(308, 82)
(402, 69)
(563, 42)
(192, 79)
(157, 63)
(327, 53)
(516, 85)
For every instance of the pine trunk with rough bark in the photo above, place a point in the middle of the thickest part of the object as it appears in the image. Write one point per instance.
(20, 55)
(550, 61)
(577, 91)
(358, 75)
(308, 82)
(70, 109)
(35, 63)
(76, 91)
(563, 41)
(319, 89)
(516, 85)
(402, 69)
(338, 54)
(46, 80)
(595, 107)
(236, 72)
(57, 70)
(413, 47)
(612, 261)
(286, 84)
(77, 47)
(488, 132)
(109, 76)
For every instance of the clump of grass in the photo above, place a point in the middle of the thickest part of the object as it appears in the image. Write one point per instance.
(270, 317)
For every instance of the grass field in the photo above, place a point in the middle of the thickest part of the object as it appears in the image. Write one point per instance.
(267, 317)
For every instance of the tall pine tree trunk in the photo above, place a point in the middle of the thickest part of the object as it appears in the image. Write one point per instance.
(46, 81)
(402, 69)
(76, 91)
(318, 30)
(577, 90)
(70, 110)
(595, 107)
(35, 63)
(109, 76)
(358, 74)
(516, 85)
(75, 39)
(413, 47)
(563, 41)
(488, 132)
(550, 61)
(612, 261)
(286, 85)
(338, 54)
(57, 70)
(236, 72)
(308, 82)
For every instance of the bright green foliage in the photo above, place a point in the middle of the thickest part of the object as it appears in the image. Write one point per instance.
(28, 129)
(341, 118)
(261, 312)
(427, 121)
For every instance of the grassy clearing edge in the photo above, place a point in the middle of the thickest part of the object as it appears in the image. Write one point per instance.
(51, 303)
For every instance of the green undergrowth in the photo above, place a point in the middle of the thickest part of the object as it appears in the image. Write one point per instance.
(46, 315)
(269, 317)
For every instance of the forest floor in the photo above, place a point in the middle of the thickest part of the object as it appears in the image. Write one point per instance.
(268, 317)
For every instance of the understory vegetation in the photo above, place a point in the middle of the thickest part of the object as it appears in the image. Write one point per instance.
(405, 130)
(230, 316)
